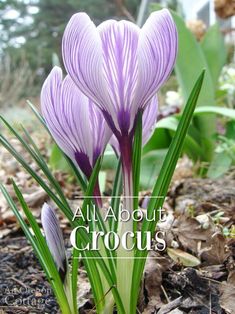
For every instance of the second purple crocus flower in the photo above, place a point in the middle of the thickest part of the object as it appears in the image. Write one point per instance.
(76, 124)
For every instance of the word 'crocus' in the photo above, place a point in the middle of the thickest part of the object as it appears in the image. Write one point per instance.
(76, 124)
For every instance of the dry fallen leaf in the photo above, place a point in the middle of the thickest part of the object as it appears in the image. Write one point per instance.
(176, 311)
(215, 252)
(183, 258)
(190, 232)
(227, 298)
(36, 198)
(154, 269)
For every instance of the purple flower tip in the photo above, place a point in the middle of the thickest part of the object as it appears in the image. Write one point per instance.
(54, 238)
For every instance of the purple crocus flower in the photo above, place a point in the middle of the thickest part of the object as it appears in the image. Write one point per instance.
(120, 66)
(54, 238)
(148, 123)
(76, 124)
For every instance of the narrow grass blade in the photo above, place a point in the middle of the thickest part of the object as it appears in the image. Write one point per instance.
(80, 178)
(136, 161)
(37, 114)
(74, 277)
(37, 157)
(116, 197)
(88, 201)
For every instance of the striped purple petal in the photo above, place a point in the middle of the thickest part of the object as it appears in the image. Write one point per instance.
(82, 54)
(119, 44)
(54, 238)
(76, 124)
(149, 119)
(157, 49)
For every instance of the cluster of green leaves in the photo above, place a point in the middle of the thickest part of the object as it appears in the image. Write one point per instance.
(93, 261)
(224, 157)
(101, 272)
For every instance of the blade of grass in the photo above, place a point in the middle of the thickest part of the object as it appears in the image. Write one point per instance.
(37, 114)
(96, 257)
(66, 210)
(136, 160)
(116, 197)
(38, 159)
(80, 178)
(74, 277)
(88, 201)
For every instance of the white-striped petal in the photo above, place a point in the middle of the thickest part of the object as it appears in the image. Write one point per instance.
(82, 55)
(82, 135)
(119, 44)
(149, 119)
(157, 49)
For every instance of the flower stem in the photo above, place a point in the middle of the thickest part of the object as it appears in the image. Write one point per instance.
(97, 195)
(125, 257)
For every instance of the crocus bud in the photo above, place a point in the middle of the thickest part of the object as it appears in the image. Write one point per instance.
(54, 238)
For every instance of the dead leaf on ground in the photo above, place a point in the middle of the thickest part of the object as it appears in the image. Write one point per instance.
(6, 231)
(215, 253)
(183, 258)
(197, 292)
(190, 232)
(215, 272)
(36, 198)
(204, 195)
(227, 298)
(155, 266)
(171, 307)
